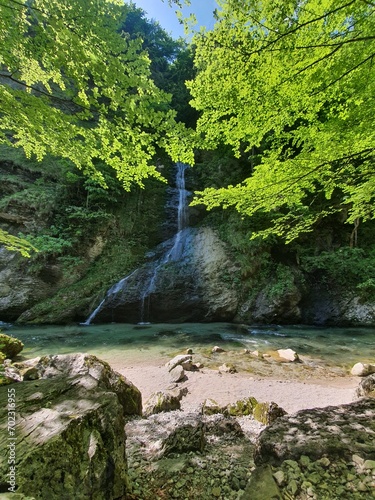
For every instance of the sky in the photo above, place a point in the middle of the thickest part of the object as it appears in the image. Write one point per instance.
(159, 10)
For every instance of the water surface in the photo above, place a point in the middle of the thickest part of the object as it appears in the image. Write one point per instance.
(330, 346)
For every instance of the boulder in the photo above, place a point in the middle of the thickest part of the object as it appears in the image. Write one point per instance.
(288, 355)
(266, 413)
(70, 440)
(176, 374)
(243, 407)
(178, 360)
(216, 348)
(227, 368)
(366, 387)
(166, 433)
(262, 485)
(362, 370)
(164, 401)
(335, 431)
(211, 407)
(219, 425)
(10, 346)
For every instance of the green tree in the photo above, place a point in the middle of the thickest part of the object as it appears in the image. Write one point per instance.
(74, 85)
(295, 80)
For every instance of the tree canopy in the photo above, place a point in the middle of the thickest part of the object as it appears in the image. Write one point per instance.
(74, 84)
(291, 85)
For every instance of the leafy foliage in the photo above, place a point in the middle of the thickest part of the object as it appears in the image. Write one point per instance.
(13, 243)
(75, 85)
(295, 82)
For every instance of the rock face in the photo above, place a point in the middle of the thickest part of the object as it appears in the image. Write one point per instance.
(336, 431)
(20, 291)
(70, 431)
(322, 306)
(195, 284)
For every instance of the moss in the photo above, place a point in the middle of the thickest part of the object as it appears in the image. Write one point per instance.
(243, 407)
(266, 413)
(9, 346)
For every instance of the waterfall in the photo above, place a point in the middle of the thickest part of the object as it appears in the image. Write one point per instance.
(114, 290)
(173, 254)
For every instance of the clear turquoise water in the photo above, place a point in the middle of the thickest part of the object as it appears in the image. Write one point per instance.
(333, 346)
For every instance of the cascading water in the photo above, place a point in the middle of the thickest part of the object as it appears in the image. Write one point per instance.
(175, 252)
(117, 287)
(170, 254)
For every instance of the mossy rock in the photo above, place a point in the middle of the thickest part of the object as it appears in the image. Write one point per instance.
(4, 380)
(211, 407)
(241, 408)
(9, 346)
(266, 413)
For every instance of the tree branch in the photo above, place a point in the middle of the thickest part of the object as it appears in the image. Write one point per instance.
(344, 74)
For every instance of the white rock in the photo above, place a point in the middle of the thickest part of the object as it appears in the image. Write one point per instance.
(288, 354)
(217, 349)
(178, 360)
(225, 368)
(176, 374)
(362, 369)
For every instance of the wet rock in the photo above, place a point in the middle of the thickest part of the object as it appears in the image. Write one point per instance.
(366, 387)
(191, 288)
(362, 370)
(70, 430)
(335, 431)
(164, 401)
(10, 346)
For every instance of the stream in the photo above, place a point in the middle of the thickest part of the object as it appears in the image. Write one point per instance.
(329, 346)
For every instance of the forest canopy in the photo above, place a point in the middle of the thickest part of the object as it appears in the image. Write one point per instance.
(75, 84)
(290, 85)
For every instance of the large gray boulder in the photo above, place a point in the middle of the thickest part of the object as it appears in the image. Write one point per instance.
(70, 439)
(335, 431)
